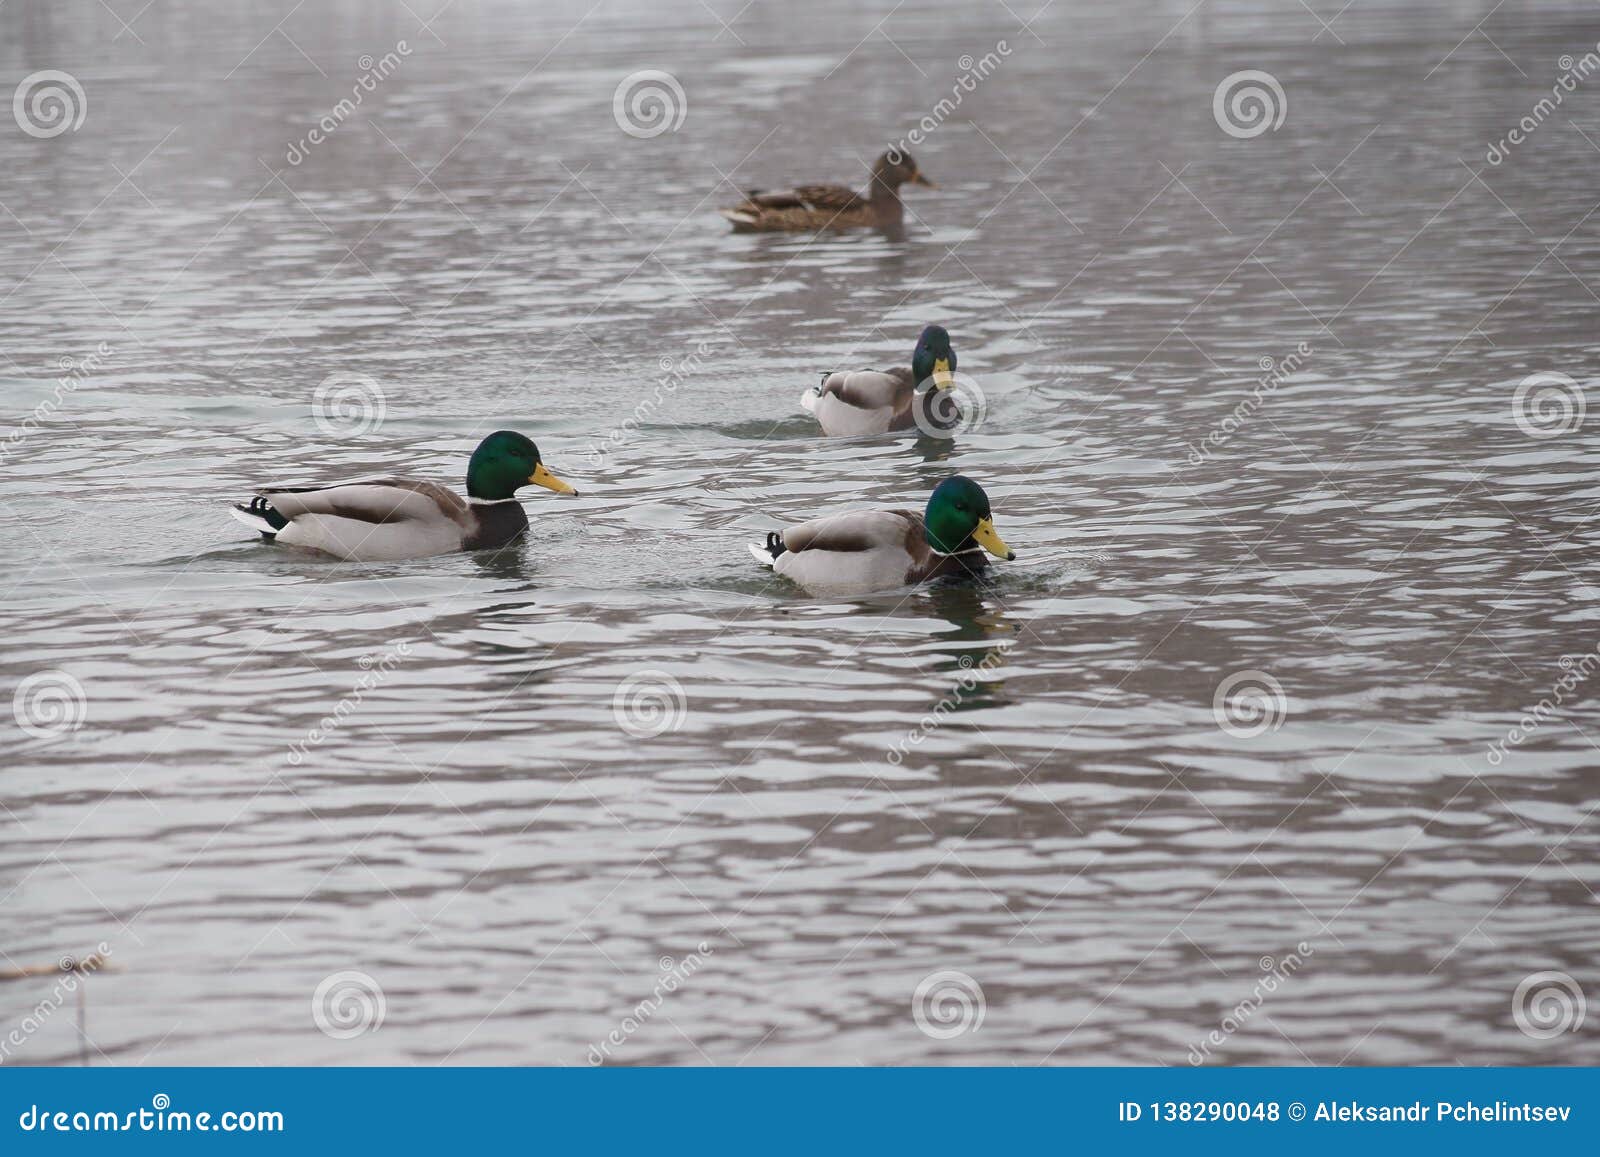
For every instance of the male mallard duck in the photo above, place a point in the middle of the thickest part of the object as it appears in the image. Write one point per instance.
(395, 518)
(874, 550)
(807, 207)
(876, 401)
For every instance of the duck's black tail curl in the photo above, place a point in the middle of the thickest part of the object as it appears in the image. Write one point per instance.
(260, 514)
(775, 545)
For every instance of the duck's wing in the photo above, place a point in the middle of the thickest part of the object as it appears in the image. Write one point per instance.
(377, 500)
(869, 389)
(383, 519)
(854, 530)
(812, 198)
(861, 550)
(862, 402)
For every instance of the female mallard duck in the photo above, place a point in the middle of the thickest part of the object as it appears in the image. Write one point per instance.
(807, 207)
(874, 550)
(396, 518)
(877, 401)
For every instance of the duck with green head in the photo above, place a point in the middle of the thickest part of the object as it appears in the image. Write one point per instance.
(384, 519)
(873, 550)
(919, 396)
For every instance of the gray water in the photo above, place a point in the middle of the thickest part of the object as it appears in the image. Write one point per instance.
(1032, 782)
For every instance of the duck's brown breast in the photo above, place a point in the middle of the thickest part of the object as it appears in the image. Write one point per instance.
(497, 524)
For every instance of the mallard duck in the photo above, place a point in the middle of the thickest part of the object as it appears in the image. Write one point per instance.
(807, 207)
(877, 401)
(873, 550)
(397, 518)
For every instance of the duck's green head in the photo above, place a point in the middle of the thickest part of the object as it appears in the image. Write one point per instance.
(958, 518)
(934, 358)
(504, 462)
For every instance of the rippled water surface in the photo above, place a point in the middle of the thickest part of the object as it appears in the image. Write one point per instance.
(286, 768)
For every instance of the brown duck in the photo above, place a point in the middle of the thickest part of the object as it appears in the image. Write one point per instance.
(809, 207)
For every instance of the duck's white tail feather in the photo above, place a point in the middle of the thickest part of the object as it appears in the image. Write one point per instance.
(809, 399)
(763, 556)
(253, 521)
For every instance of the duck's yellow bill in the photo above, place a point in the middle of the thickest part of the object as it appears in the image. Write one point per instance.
(985, 537)
(543, 477)
(941, 374)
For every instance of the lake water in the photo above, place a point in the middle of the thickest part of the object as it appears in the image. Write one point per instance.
(1227, 750)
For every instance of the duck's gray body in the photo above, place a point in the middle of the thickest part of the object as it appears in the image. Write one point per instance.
(861, 551)
(382, 520)
(858, 402)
